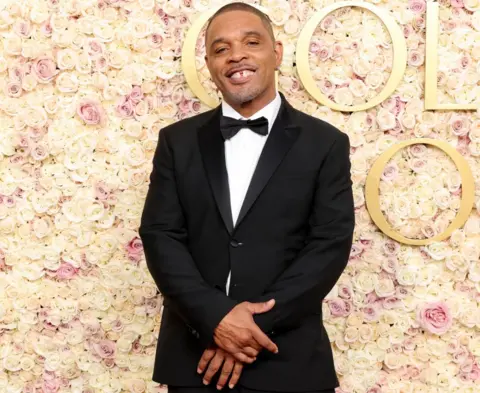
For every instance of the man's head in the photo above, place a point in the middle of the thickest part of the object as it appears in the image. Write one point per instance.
(242, 55)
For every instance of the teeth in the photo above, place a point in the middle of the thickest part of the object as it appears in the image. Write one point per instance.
(241, 74)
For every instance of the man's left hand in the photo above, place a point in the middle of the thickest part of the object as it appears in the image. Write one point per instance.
(215, 358)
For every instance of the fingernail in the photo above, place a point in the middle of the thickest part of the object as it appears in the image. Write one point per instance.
(205, 382)
(219, 387)
(199, 371)
(231, 386)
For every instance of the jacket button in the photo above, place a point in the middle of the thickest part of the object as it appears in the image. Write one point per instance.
(235, 243)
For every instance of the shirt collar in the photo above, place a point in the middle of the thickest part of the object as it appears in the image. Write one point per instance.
(270, 111)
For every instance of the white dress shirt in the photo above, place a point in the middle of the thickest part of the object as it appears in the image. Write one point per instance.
(242, 153)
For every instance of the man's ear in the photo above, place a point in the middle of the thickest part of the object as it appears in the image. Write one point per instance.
(278, 48)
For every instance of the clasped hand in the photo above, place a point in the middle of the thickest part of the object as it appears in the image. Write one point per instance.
(238, 340)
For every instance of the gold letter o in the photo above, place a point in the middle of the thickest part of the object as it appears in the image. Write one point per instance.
(372, 196)
(399, 56)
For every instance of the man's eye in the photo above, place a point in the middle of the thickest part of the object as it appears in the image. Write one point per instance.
(252, 42)
(219, 50)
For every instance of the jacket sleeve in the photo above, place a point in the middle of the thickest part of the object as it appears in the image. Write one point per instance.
(164, 236)
(300, 289)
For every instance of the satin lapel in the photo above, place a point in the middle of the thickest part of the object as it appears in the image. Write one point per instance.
(213, 154)
(282, 136)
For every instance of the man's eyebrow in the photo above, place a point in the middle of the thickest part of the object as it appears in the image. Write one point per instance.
(247, 33)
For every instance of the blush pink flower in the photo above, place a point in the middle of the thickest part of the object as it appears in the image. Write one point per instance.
(435, 317)
(13, 89)
(417, 6)
(91, 112)
(66, 271)
(106, 349)
(338, 307)
(124, 108)
(390, 172)
(136, 95)
(51, 385)
(135, 246)
(44, 69)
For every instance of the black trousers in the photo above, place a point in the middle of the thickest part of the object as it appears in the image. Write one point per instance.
(237, 389)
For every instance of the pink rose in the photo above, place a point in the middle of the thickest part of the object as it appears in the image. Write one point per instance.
(13, 89)
(95, 48)
(66, 271)
(338, 307)
(407, 30)
(136, 95)
(46, 28)
(326, 87)
(325, 53)
(39, 152)
(417, 6)
(327, 23)
(457, 3)
(105, 349)
(417, 165)
(45, 69)
(23, 28)
(435, 317)
(196, 106)
(391, 247)
(91, 112)
(465, 61)
(124, 108)
(337, 50)
(101, 191)
(391, 302)
(390, 172)
(155, 40)
(459, 125)
(460, 356)
(135, 246)
(51, 386)
(415, 58)
(344, 291)
(109, 363)
(370, 313)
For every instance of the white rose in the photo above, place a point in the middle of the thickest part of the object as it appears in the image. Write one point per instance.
(408, 120)
(361, 67)
(385, 119)
(394, 361)
(67, 59)
(365, 282)
(343, 96)
(338, 75)
(384, 287)
(67, 82)
(474, 272)
(470, 250)
(405, 275)
(374, 79)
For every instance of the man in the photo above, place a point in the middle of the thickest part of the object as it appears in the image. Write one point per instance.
(247, 226)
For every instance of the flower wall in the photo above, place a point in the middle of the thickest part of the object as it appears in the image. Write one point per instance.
(85, 88)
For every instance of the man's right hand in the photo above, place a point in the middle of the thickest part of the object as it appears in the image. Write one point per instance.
(239, 335)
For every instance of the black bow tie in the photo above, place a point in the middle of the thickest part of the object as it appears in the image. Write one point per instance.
(230, 126)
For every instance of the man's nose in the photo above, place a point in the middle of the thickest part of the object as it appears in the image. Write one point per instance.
(237, 53)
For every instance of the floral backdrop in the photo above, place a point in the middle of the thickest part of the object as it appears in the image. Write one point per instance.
(86, 86)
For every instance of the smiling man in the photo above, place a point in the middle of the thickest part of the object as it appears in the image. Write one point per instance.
(247, 226)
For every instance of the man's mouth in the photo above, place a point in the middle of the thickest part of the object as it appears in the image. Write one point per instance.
(240, 76)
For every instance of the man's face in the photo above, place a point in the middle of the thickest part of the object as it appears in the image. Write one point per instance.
(242, 57)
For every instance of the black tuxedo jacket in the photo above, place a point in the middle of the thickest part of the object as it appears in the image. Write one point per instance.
(291, 242)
